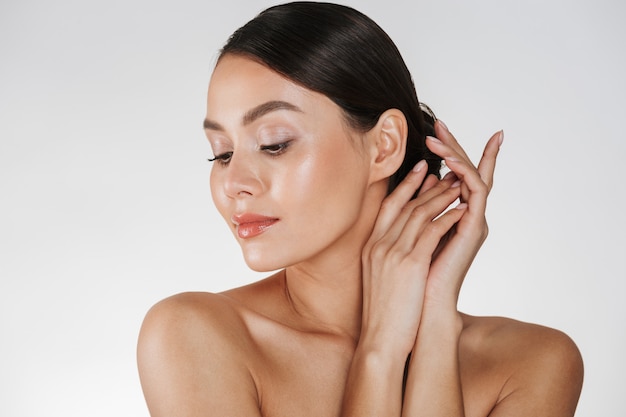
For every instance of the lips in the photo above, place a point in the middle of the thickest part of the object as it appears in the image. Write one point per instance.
(251, 225)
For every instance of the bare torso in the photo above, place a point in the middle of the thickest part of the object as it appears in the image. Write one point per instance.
(250, 339)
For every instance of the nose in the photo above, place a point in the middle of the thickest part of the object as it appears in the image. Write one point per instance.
(241, 178)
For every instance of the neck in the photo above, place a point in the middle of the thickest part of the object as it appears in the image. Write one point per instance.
(330, 300)
(326, 292)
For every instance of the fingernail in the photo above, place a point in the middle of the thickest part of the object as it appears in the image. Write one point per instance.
(449, 176)
(443, 124)
(461, 206)
(451, 159)
(455, 184)
(434, 139)
(419, 166)
(501, 138)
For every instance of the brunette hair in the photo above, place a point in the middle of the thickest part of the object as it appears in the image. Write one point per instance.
(341, 53)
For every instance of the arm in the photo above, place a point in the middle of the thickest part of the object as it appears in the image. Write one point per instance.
(434, 383)
(539, 369)
(396, 261)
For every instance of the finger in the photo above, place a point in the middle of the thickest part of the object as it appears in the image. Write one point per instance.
(491, 151)
(428, 183)
(429, 239)
(473, 189)
(439, 187)
(487, 164)
(444, 135)
(448, 153)
(386, 232)
(409, 228)
(486, 167)
(397, 201)
(431, 205)
(476, 189)
(392, 205)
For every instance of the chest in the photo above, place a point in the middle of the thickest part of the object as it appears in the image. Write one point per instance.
(302, 375)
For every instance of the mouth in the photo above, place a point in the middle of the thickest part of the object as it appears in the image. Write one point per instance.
(251, 225)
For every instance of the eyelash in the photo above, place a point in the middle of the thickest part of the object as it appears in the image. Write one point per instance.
(273, 150)
(276, 148)
(222, 159)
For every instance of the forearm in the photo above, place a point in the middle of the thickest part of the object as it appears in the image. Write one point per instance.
(433, 384)
(374, 385)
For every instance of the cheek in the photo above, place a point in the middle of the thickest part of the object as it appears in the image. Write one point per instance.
(299, 182)
(219, 198)
(325, 184)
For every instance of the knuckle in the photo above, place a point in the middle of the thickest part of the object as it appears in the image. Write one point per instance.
(444, 185)
(367, 249)
(489, 184)
(454, 191)
(483, 188)
(377, 251)
(385, 206)
(407, 209)
(418, 212)
(420, 256)
(395, 256)
(434, 228)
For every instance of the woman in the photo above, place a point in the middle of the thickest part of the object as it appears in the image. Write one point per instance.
(326, 169)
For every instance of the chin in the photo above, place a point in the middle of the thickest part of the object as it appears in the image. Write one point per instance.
(263, 263)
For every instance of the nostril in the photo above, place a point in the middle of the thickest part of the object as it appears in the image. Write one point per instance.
(241, 181)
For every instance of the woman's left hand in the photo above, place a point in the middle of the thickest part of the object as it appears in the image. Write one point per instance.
(459, 247)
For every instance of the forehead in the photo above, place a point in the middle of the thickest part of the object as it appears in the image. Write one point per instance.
(240, 84)
(244, 83)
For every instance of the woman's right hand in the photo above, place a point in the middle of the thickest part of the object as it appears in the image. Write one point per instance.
(397, 257)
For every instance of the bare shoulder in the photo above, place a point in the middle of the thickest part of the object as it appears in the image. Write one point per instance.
(529, 369)
(191, 345)
(193, 317)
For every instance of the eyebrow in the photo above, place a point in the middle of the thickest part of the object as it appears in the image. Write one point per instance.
(256, 113)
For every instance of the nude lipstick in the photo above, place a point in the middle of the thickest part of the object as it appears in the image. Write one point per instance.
(251, 225)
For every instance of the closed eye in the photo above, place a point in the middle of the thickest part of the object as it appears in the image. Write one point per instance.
(275, 149)
(272, 150)
(222, 159)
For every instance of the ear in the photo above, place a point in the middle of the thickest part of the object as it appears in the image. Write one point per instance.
(387, 144)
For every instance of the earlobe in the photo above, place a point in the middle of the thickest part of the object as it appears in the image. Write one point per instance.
(388, 144)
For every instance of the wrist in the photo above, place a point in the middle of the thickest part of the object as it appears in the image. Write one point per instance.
(384, 345)
(446, 322)
(374, 384)
(376, 360)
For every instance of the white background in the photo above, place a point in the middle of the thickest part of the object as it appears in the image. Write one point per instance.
(104, 197)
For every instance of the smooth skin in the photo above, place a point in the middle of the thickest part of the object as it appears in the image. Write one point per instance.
(364, 278)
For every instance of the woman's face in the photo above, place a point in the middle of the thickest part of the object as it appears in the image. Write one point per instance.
(290, 179)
